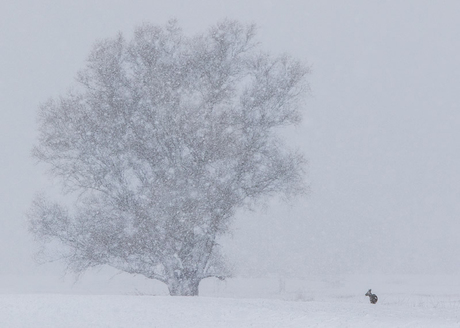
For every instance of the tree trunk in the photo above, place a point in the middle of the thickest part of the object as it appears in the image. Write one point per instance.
(183, 287)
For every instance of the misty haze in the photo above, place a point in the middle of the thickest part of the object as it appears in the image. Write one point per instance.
(353, 184)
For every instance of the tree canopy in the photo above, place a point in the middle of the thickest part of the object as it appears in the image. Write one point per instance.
(163, 137)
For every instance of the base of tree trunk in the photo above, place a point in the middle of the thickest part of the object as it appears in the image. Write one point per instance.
(183, 288)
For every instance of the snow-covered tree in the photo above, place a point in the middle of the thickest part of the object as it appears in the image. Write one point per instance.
(162, 138)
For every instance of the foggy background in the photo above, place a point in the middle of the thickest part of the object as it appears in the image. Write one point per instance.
(380, 130)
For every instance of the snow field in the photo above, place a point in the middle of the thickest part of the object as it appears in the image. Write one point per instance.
(124, 301)
(77, 311)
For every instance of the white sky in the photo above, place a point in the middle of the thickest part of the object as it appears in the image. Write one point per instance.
(381, 130)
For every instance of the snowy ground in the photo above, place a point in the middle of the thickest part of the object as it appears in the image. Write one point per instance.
(404, 301)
